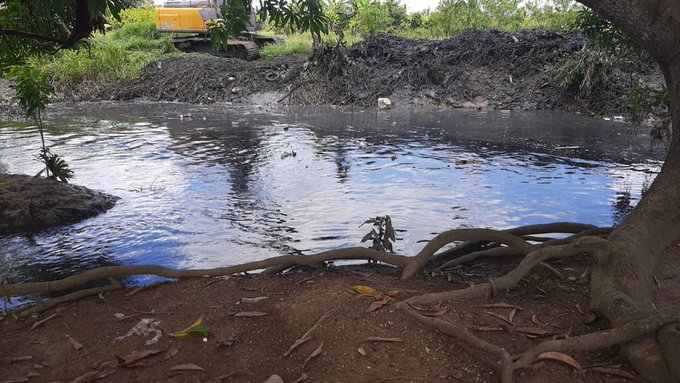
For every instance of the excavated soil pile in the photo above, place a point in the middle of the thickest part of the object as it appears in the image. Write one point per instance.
(476, 69)
(32, 203)
(205, 79)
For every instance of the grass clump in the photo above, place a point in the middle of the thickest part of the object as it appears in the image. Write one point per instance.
(104, 63)
(274, 50)
(134, 15)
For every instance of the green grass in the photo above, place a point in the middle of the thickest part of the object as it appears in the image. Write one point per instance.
(274, 50)
(104, 63)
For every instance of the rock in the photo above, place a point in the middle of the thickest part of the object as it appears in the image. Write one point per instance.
(384, 103)
(33, 203)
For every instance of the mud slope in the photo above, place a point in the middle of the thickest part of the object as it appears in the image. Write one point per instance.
(487, 69)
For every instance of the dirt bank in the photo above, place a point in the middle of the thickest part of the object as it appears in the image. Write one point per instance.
(248, 335)
(33, 203)
(477, 69)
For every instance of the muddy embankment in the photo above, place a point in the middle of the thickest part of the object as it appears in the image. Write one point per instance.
(477, 69)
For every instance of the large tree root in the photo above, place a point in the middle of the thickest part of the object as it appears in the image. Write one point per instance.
(126, 271)
(506, 242)
(521, 231)
(501, 361)
(509, 251)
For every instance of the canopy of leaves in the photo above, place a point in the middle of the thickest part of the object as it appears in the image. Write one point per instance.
(33, 27)
(297, 15)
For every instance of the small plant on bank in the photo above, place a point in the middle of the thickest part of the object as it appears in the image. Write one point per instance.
(32, 94)
(382, 233)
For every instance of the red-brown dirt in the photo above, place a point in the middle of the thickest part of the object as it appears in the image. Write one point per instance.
(251, 349)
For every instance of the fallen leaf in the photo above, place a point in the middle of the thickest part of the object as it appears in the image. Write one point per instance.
(313, 355)
(499, 305)
(274, 379)
(560, 357)
(42, 322)
(498, 316)
(488, 329)
(198, 328)
(534, 319)
(377, 304)
(17, 380)
(301, 379)
(296, 344)
(368, 291)
(437, 313)
(170, 353)
(392, 293)
(614, 372)
(381, 339)
(186, 367)
(136, 356)
(361, 274)
(220, 378)
(361, 351)
(17, 359)
(253, 300)
(511, 316)
(77, 345)
(250, 314)
(93, 375)
(533, 331)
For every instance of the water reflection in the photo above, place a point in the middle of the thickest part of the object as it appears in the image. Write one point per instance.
(223, 187)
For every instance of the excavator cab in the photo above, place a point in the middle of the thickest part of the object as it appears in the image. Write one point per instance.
(193, 16)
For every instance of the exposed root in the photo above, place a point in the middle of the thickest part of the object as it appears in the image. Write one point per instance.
(504, 364)
(521, 231)
(504, 368)
(508, 251)
(48, 304)
(597, 340)
(126, 271)
(581, 245)
(418, 262)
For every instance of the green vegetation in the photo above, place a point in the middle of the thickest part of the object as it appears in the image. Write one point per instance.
(288, 48)
(33, 93)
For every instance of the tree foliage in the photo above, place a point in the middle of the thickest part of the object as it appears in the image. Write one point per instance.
(30, 27)
(33, 92)
(297, 15)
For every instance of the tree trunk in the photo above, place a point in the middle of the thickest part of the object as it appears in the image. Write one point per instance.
(622, 283)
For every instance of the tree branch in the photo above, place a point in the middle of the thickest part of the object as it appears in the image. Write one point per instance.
(31, 36)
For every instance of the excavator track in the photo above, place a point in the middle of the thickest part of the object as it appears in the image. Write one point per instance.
(242, 49)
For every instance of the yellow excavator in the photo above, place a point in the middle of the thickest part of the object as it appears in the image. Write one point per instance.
(194, 16)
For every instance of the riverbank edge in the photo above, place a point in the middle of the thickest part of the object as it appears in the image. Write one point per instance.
(29, 204)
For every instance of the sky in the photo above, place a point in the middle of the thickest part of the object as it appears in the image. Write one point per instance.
(411, 5)
(419, 5)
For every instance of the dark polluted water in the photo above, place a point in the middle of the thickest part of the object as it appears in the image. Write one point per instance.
(220, 185)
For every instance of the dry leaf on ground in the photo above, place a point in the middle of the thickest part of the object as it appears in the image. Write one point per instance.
(187, 367)
(136, 356)
(377, 305)
(560, 357)
(77, 345)
(250, 314)
(366, 290)
(614, 372)
(42, 322)
(313, 355)
(274, 379)
(381, 339)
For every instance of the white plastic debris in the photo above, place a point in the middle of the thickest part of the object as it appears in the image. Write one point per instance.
(146, 327)
(384, 103)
